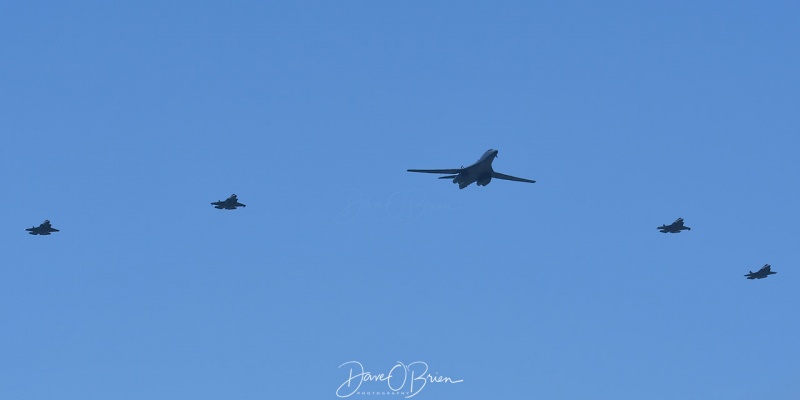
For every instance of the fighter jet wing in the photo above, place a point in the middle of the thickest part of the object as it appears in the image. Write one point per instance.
(438, 171)
(510, 178)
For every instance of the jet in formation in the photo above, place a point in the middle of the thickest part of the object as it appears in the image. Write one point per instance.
(675, 227)
(764, 272)
(229, 204)
(480, 172)
(43, 229)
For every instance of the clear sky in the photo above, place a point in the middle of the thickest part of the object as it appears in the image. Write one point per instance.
(122, 121)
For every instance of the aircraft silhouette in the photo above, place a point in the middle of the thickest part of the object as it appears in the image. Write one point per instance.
(43, 229)
(229, 204)
(481, 172)
(764, 272)
(675, 227)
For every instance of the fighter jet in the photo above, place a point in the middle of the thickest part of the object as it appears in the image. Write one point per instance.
(43, 229)
(481, 172)
(764, 272)
(675, 227)
(230, 204)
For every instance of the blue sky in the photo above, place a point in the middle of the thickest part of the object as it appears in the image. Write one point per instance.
(122, 122)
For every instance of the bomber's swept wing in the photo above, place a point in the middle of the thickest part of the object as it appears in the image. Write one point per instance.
(438, 171)
(510, 178)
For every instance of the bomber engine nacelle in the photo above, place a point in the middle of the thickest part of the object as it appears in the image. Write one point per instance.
(484, 180)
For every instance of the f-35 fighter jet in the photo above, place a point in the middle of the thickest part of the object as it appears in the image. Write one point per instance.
(764, 272)
(229, 204)
(44, 229)
(481, 172)
(675, 227)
